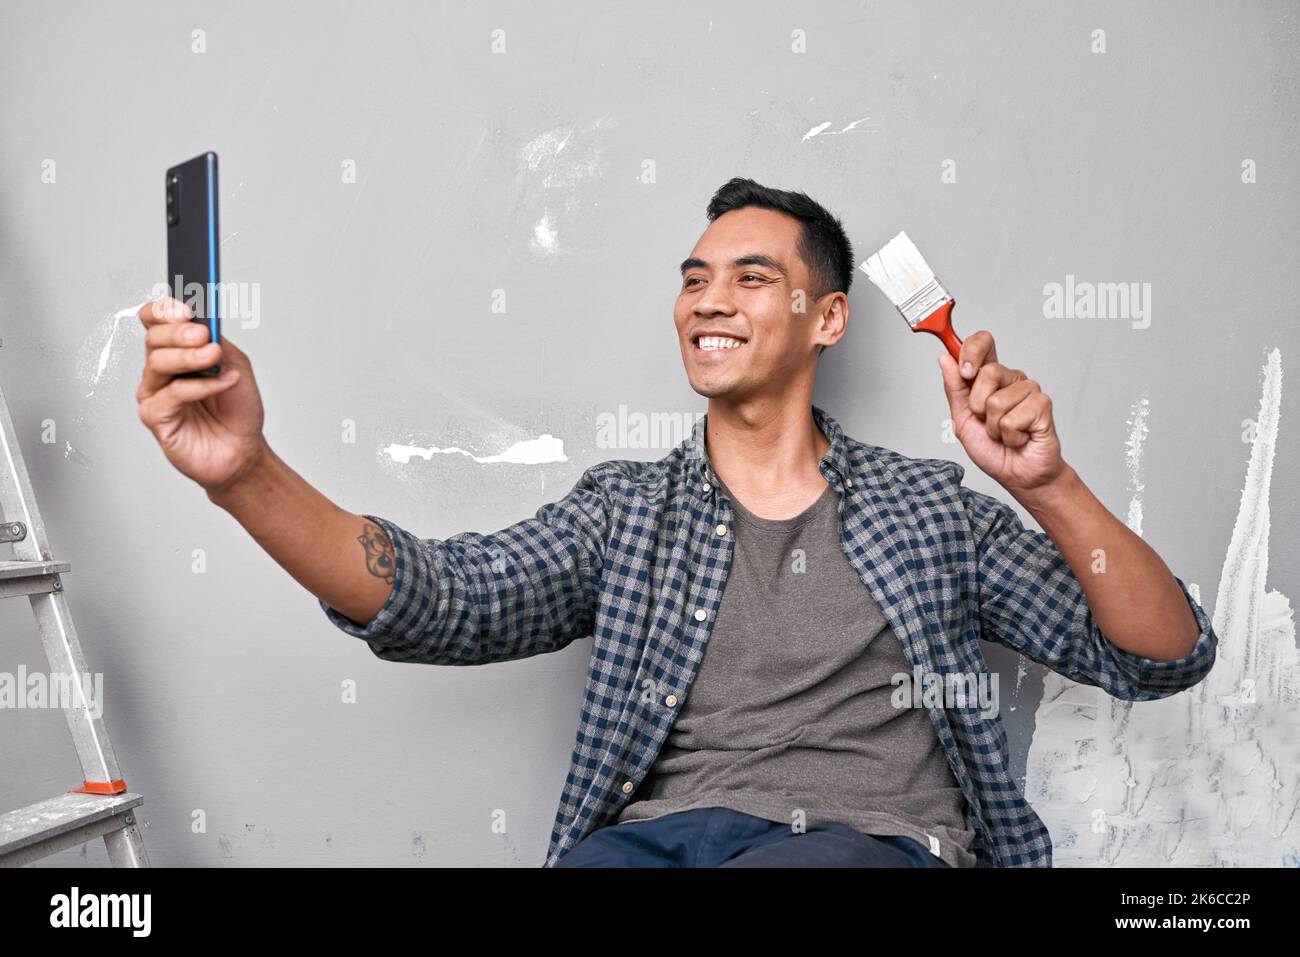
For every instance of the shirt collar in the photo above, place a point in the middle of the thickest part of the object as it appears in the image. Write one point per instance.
(834, 465)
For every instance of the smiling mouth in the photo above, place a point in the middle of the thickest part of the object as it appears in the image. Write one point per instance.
(718, 344)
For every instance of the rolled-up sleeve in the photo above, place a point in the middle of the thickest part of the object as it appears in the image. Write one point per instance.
(1030, 600)
(1159, 679)
(410, 597)
(475, 598)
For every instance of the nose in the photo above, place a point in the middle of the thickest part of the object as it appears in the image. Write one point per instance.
(714, 301)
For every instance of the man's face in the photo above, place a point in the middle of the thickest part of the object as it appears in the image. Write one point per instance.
(740, 285)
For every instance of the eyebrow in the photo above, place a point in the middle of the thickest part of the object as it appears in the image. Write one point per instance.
(749, 259)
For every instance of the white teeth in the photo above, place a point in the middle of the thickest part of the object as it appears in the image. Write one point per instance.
(710, 343)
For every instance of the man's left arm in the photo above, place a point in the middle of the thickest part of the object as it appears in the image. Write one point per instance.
(1004, 421)
(1132, 593)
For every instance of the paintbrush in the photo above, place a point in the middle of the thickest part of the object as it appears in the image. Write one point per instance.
(902, 275)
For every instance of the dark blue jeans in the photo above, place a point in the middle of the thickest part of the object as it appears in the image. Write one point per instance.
(721, 837)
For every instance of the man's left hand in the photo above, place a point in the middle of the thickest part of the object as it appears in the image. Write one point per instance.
(1001, 417)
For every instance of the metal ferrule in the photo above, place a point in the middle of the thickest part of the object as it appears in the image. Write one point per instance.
(923, 302)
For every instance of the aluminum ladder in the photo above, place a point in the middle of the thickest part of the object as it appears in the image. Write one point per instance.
(102, 806)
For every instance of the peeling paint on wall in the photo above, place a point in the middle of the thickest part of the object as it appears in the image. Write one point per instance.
(1206, 777)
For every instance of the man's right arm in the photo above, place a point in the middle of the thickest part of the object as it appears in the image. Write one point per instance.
(469, 599)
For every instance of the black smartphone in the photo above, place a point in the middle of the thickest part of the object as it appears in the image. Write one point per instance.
(192, 245)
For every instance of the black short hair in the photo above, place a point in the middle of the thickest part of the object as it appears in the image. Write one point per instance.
(824, 245)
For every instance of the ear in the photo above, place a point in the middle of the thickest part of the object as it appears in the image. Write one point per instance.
(832, 319)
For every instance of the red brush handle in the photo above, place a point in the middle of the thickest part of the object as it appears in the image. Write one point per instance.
(939, 323)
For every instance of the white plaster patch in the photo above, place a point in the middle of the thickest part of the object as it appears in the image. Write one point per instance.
(554, 166)
(545, 448)
(95, 356)
(1137, 434)
(1206, 777)
(545, 237)
(824, 129)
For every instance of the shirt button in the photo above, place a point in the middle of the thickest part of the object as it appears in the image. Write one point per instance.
(671, 701)
(849, 482)
(627, 787)
(708, 487)
(722, 530)
(700, 614)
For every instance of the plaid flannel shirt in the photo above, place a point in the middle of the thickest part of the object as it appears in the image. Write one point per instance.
(636, 556)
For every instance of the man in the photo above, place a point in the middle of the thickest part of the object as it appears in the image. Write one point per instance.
(756, 598)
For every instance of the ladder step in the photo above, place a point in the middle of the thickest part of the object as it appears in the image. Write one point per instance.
(48, 826)
(29, 578)
(25, 569)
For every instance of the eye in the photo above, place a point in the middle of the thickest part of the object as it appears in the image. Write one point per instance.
(748, 275)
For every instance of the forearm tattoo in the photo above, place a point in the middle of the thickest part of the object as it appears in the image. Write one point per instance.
(380, 560)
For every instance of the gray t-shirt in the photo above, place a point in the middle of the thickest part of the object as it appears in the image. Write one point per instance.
(790, 717)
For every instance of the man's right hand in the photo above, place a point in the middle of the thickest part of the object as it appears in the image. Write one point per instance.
(210, 428)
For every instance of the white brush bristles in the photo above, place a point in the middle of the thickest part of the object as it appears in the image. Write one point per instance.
(898, 269)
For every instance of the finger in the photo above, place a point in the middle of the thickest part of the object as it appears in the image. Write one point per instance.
(235, 355)
(1003, 401)
(1033, 415)
(176, 334)
(976, 350)
(990, 378)
(166, 403)
(956, 388)
(191, 335)
(162, 364)
(165, 309)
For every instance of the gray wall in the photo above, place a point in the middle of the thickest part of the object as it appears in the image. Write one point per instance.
(376, 306)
